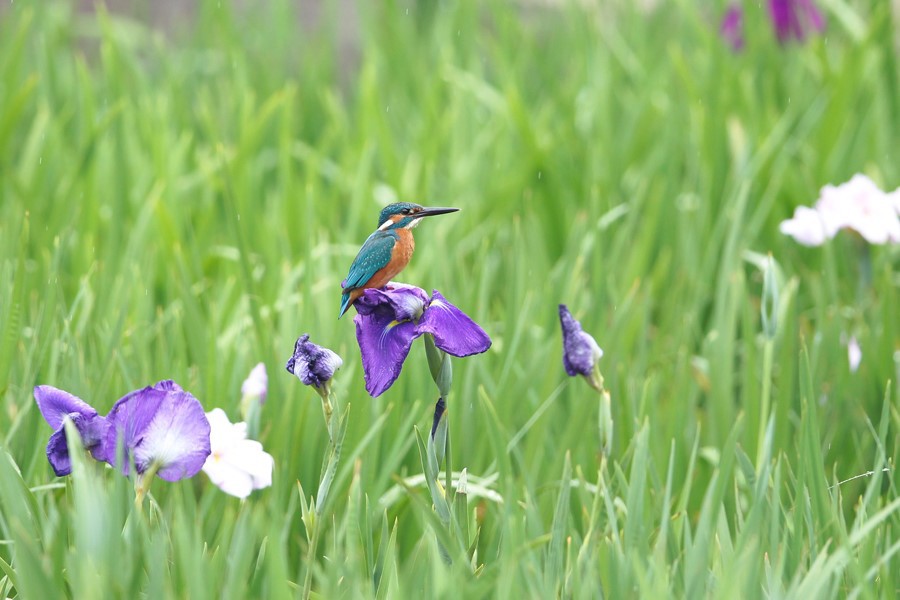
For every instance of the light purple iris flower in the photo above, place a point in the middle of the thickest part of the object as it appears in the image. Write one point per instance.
(313, 364)
(580, 350)
(57, 406)
(732, 28)
(794, 19)
(390, 318)
(161, 426)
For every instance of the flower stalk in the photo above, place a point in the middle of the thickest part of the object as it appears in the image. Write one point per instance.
(337, 428)
(389, 320)
(315, 366)
(142, 484)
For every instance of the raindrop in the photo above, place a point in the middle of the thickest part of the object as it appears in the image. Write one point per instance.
(40, 160)
(388, 109)
(539, 174)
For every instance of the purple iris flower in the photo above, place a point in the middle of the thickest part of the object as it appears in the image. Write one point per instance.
(732, 28)
(313, 364)
(56, 406)
(580, 349)
(390, 318)
(160, 426)
(795, 19)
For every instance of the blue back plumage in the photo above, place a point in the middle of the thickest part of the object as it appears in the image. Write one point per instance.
(375, 254)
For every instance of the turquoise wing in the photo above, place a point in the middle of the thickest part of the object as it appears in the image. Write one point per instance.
(374, 255)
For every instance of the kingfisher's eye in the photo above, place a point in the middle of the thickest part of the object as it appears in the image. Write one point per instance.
(406, 211)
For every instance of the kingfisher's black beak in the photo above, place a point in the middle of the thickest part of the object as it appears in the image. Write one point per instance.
(434, 210)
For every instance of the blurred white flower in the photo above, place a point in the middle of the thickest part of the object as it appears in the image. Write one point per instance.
(257, 384)
(857, 204)
(237, 465)
(806, 227)
(854, 354)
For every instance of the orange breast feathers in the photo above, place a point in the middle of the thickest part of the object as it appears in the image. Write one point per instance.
(400, 255)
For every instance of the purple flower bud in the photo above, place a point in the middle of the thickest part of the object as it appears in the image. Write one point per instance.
(580, 350)
(314, 365)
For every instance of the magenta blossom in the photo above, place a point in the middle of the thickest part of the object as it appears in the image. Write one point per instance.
(794, 19)
(732, 28)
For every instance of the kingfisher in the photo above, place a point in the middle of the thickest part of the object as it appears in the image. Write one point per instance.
(387, 251)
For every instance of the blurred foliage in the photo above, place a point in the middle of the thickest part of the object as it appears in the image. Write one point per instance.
(184, 204)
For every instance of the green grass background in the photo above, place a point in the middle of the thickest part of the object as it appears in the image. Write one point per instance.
(184, 204)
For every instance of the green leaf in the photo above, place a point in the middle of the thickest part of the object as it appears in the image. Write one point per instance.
(461, 508)
(558, 529)
(330, 464)
(429, 466)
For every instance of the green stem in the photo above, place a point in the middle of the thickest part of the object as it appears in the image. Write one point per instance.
(140, 489)
(311, 557)
(327, 410)
(765, 399)
(336, 431)
(605, 423)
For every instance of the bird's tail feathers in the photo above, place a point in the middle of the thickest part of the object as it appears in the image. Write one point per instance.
(345, 304)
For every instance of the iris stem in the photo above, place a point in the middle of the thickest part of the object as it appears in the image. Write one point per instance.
(310, 557)
(140, 489)
(328, 405)
(606, 425)
(329, 468)
(439, 444)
